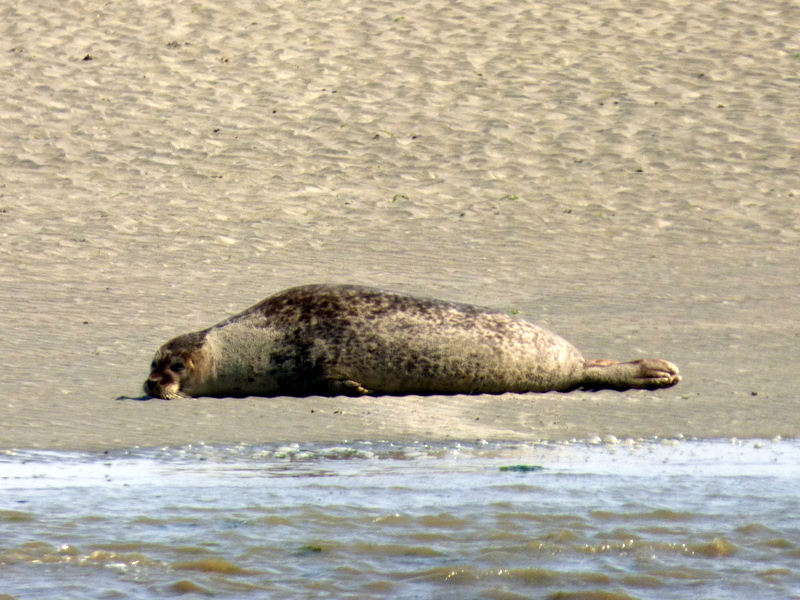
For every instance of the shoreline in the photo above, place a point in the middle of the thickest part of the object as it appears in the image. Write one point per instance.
(510, 417)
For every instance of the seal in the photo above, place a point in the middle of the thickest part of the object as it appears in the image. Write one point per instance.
(332, 340)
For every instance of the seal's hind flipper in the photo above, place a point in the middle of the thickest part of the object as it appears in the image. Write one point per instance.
(642, 374)
(655, 373)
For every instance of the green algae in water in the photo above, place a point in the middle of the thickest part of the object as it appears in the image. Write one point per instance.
(522, 468)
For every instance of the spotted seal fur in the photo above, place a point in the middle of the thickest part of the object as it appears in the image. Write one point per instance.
(348, 340)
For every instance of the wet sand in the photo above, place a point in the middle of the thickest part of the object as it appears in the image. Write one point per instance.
(627, 177)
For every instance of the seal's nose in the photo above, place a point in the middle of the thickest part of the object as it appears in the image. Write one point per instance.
(150, 386)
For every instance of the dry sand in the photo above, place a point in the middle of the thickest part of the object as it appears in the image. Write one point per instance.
(627, 175)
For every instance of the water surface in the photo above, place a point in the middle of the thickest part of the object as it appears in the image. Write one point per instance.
(654, 519)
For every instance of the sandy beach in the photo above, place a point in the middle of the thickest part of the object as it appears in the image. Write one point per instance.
(628, 177)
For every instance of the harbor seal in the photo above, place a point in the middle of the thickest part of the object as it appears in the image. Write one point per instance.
(332, 340)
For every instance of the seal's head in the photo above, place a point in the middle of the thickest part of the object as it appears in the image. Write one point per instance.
(179, 368)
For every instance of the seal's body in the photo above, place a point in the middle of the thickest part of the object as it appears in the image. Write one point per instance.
(349, 340)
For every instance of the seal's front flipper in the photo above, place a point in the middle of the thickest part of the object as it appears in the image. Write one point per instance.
(346, 387)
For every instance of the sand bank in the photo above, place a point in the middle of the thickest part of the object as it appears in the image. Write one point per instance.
(627, 177)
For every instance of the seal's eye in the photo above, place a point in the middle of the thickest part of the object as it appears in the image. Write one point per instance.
(153, 364)
(177, 366)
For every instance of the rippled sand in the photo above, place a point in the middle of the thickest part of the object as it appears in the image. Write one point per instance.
(627, 176)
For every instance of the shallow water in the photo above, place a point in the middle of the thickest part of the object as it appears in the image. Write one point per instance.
(651, 519)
